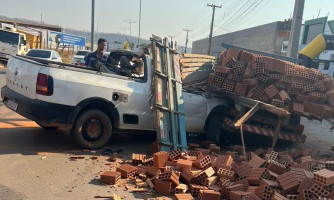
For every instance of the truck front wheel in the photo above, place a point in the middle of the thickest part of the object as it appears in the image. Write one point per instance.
(214, 129)
(92, 129)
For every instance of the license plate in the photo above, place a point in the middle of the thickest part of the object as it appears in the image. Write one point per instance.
(11, 104)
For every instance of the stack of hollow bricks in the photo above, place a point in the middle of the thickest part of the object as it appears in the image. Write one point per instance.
(263, 174)
(299, 90)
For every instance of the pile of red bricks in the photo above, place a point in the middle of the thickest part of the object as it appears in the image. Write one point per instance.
(299, 90)
(211, 175)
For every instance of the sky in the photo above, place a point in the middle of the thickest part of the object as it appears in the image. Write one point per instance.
(163, 18)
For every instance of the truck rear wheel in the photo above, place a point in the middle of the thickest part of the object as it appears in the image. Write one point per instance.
(214, 129)
(92, 129)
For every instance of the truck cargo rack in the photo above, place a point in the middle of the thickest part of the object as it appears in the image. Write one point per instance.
(167, 87)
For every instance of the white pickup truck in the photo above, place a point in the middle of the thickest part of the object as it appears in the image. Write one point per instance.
(94, 104)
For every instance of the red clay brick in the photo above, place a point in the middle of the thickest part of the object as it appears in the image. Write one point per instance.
(152, 171)
(240, 88)
(183, 197)
(209, 195)
(276, 167)
(171, 177)
(263, 192)
(256, 161)
(175, 154)
(138, 158)
(243, 170)
(288, 182)
(319, 191)
(110, 177)
(271, 91)
(324, 177)
(255, 176)
(183, 165)
(127, 170)
(278, 196)
(186, 177)
(195, 189)
(306, 184)
(163, 187)
(202, 162)
(160, 159)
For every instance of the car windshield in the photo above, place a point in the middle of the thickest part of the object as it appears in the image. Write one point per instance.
(8, 37)
(39, 54)
(81, 53)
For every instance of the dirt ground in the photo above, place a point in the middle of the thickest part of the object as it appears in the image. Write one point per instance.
(36, 164)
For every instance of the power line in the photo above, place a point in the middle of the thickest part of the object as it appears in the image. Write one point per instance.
(185, 50)
(213, 18)
(240, 14)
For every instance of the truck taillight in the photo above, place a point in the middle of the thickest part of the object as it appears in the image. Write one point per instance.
(44, 85)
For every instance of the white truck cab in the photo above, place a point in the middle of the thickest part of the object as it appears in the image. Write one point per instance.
(12, 43)
(91, 103)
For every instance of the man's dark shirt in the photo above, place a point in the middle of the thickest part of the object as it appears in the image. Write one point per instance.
(91, 59)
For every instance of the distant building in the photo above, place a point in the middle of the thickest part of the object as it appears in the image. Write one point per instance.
(267, 38)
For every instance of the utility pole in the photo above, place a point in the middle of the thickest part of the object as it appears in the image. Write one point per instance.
(130, 21)
(211, 28)
(295, 28)
(92, 27)
(139, 23)
(41, 18)
(185, 50)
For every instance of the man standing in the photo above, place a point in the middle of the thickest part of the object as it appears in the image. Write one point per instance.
(97, 56)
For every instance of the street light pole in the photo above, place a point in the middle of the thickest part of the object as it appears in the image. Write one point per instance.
(92, 27)
(139, 22)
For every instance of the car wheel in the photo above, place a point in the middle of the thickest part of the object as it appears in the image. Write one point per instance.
(92, 129)
(214, 129)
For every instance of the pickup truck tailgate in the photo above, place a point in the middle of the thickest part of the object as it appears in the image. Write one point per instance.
(21, 75)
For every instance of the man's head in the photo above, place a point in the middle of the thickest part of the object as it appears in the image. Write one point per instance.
(101, 44)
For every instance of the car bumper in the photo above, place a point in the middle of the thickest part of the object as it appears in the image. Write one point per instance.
(44, 113)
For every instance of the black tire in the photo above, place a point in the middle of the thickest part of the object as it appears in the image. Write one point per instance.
(48, 127)
(214, 129)
(92, 129)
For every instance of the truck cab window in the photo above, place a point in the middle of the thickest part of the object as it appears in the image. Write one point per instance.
(126, 64)
(22, 41)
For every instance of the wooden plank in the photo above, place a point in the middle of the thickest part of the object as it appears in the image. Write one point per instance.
(277, 130)
(184, 65)
(189, 60)
(188, 55)
(246, 116)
